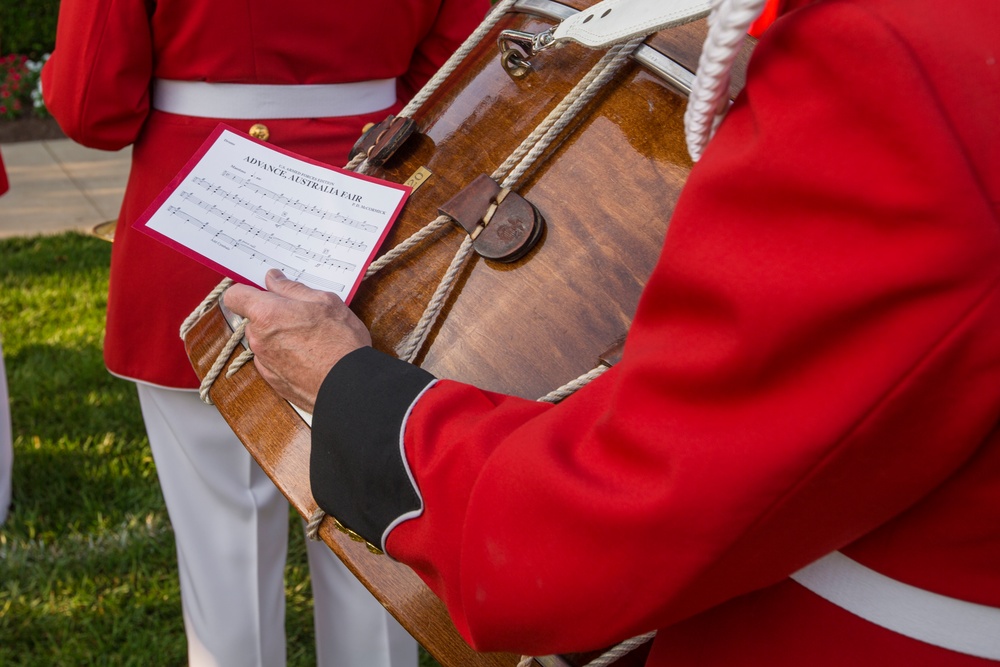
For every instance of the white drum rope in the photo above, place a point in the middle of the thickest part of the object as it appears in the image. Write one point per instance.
(524, 157)
(206, 305)
(564, 113)
(450, 65)
(727, 28)
(569, 388)
(457, 58)
(609, 656)
(220, 361)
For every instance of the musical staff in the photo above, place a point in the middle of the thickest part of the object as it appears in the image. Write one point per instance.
(310, 209)
(219, 237)
(278, 220)
(248, 208)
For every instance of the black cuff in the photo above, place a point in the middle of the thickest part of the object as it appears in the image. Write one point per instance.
(356, 468)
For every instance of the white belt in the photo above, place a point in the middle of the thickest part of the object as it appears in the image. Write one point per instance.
(258, 101)
(957, 625)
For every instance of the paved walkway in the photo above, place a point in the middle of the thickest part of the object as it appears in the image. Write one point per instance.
(58, 185)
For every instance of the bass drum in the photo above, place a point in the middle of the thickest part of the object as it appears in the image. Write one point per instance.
(605, 188)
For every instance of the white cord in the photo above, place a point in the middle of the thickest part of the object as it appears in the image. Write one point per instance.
(728, 23)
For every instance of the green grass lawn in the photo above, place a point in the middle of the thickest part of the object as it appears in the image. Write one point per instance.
(87, 566)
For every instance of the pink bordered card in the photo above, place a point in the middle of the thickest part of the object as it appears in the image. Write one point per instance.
(243, 207)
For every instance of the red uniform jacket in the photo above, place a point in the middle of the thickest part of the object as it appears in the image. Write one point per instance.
(814, 366)
(97, 86)
(4, 184)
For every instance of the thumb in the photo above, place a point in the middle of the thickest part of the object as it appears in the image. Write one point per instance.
(276, 283)
(240, 298)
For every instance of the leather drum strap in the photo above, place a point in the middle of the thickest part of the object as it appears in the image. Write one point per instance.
(615, 21)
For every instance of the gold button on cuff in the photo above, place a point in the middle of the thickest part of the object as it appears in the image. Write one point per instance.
(260, 131)
(357, 538)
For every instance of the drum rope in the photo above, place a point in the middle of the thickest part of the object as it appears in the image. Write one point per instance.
(513, 168)
(457, 58)
(220, 361)
(566, 111)
(432, 85)
(572, 386)
(244, 356)
(206, 305)
(728, 23)
(529, 149)
(609, 656)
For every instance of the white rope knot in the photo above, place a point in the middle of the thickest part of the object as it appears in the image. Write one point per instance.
(312, 527)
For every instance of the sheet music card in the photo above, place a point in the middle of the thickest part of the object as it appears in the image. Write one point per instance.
(243, 207)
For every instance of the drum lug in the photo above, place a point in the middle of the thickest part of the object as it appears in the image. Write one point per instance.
(516, 46)
(504, 226)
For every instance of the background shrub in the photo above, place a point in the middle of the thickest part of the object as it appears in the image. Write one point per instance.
(28, 27)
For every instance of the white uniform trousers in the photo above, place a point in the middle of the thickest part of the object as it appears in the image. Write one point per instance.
(6, 445)
(231, 527)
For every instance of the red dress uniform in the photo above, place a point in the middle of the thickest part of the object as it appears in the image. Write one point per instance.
(6, 439)
(814, 366)
(97, 86)
(4, 183)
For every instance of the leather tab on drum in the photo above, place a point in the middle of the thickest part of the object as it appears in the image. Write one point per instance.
(503, 225)
(382, 140)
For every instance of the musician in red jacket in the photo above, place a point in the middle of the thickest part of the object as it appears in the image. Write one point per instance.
(6, 439)
(4, 183)
(797, 460)
(160, 76)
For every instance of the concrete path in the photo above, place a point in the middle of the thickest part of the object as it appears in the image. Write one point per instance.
(58, 185)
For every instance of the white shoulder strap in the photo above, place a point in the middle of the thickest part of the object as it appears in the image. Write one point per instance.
(614, 21)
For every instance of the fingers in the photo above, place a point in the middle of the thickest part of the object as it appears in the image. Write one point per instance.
(244, 299)
(277, 283)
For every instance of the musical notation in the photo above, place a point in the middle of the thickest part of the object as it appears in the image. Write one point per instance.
(248, 208)
(278, 198)
(219, 237)
(279, 220)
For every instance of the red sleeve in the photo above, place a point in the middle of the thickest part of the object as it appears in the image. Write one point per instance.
(455, 20)
(829, 280)
(96, 84)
